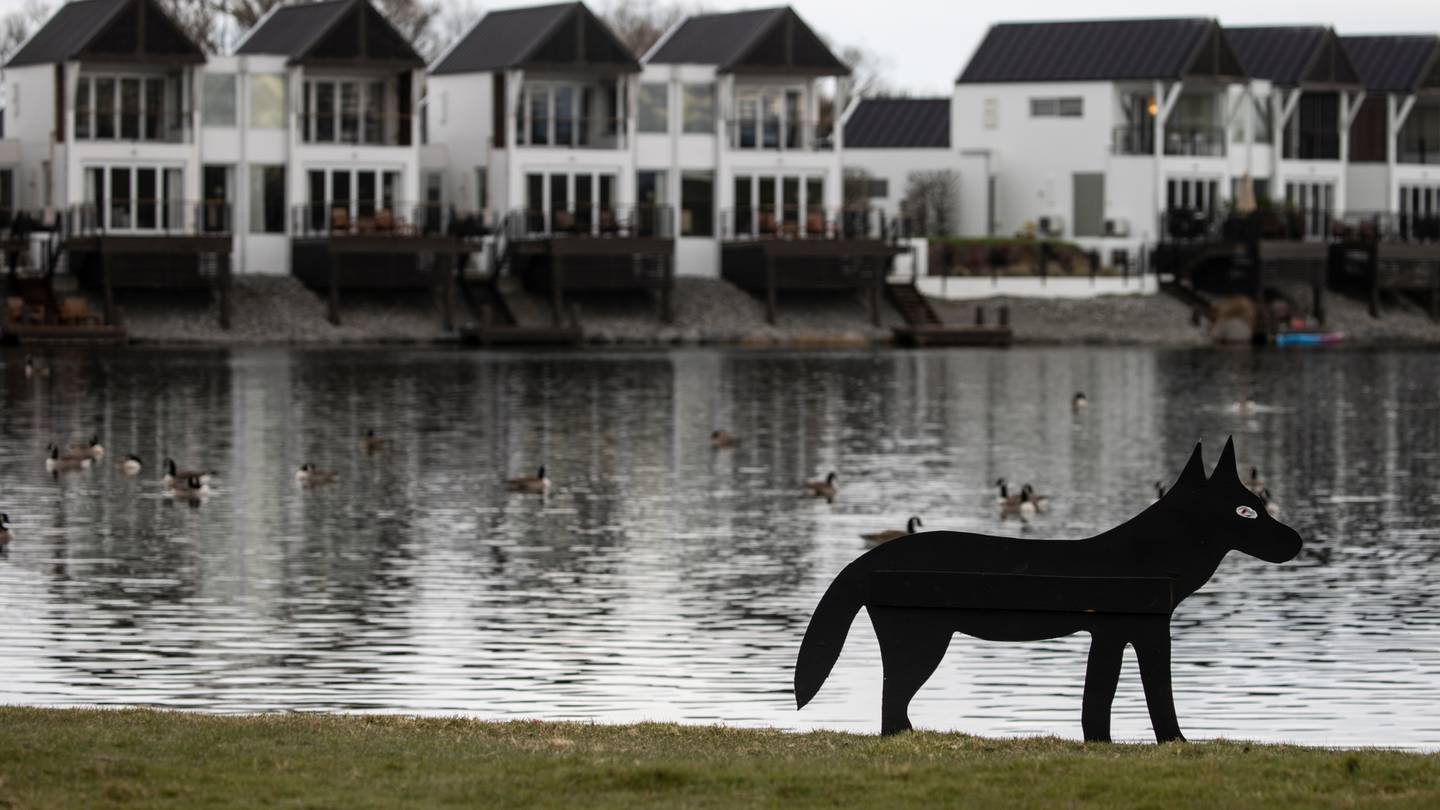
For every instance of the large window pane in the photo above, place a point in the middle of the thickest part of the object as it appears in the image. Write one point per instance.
(215, 182)
(147, 198)
(267, 103)
(697, 204)
(654, 108)
(130, 109)
(105, 108)
(744, 206)
(324, 112)
(375, 112)
(793, 122)
(349, 112)
(652, 210)
(699, 108)
(83, 111)
(154, 118)
(267, 199)
(318, 198)
(217, 104)
(564, 115)
(120, 211)
(539, 116)
(365, 194)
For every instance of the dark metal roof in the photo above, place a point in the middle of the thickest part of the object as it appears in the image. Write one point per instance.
(899, 123)
(1089, 50)
(291, 30)
(330, 30)
(81, 26)
(514, 37)
(1392, 63)
(1291, 55)
(749, 40)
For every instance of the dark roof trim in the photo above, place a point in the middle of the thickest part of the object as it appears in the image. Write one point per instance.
(1167, 49)
(75, 27)
(521, 37)
(774, 41)
(1398, 63)
(899, 123)
(1306, 56)
(284, 32)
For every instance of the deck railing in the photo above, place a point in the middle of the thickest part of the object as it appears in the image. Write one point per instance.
(369, 129)
(147, 217)
(1307, 145)
(320, 220)
(779, 134)
(596, 220)
(808, 222)
(1417, 149)
(1388, 226)
(1139, 139)
(570, 133)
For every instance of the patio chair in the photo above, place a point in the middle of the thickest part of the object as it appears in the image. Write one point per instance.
(384, 221)
(339, 219)
(75, 311)
(609, 225)
(14, 308)
(564, 221)
(767, 224)
(815, 225)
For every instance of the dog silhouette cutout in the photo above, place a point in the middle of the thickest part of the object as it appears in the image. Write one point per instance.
(1120, 586)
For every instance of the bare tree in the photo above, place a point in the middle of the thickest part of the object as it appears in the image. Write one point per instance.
(246, 13)
(640, 23)
(207, 22)
(17, 26)
(930, 201)
(455, 19)
(868, 71)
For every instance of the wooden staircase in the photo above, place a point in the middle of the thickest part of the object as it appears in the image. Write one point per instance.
(911, 305)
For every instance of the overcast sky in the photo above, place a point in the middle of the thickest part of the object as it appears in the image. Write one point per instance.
(925, 43)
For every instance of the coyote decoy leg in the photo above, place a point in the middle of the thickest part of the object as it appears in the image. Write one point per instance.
(1152, 648)
(1107, 650)
(912, 642)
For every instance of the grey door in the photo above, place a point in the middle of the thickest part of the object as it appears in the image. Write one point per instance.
(1089, 197)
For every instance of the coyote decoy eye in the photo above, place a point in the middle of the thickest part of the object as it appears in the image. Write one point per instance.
(1246, 512)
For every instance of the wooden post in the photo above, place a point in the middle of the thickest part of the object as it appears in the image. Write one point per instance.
(557, 297)
(447, 290)
(879, 278)
(222, 261)
(109, 288)
(334, 288)
(1372, 258)
(1435, 291)
(1317, 287)
(770, 302)
(667, 293)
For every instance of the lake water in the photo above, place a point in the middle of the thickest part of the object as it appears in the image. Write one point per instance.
(663, 580)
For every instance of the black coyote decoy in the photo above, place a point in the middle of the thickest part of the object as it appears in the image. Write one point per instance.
(1120, 587)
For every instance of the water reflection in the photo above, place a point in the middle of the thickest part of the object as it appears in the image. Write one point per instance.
(663, 579)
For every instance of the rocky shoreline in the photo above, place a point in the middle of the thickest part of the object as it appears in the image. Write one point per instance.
(280, 311)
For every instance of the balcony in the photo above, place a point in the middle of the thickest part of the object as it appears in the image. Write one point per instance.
(1312, 145)
(1417, 149)
(390, 129)
(778, 134)
(373, 218)
(598, 221)
(570, 133)
(812, 222)
(146, 217)
(1181, 141)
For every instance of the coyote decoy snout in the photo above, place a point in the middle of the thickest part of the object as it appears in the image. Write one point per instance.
(1121, 587)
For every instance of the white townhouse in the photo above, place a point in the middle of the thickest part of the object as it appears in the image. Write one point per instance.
(889, 140)
(1296, 135)
(530, 113)
(310, 128)
(1394, 163)
(101, 121)
(1090, 130)
(734, 128)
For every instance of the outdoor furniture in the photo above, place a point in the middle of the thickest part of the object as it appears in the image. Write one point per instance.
(767, 224)
(384, 220)
(14, 308)
(76, 311)
(609, 225)
(339, 219)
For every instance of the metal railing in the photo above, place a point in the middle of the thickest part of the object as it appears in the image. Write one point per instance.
(1306, 145)
(1417, 149)
(597, 220)
(779, 134)
(145, 217)
(381, 218)
(1389, 226)
(1139, 139)
(570, 133)
(1281, 224)
(360, 128)
(808, 222)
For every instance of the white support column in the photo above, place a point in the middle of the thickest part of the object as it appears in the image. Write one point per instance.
(1349, 108)
(1165, 103)
(1283, 113)
(1396, 112)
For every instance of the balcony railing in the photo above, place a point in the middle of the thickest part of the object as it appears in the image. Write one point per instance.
(1139, 139)
(1385, 226)
(147, 217)
(598, 221)
(1313, 146)
(779, 134)
(379, 218)
(363, 129)
(808, 222)
(570, 133)
(1417, 149)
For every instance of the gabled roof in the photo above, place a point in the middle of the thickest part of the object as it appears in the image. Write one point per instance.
(1392, 63)
(769, 40)
(899, 123)
(1293, 55)
(108, 30)
(1102, 50)
(351, 31)
(561, 35)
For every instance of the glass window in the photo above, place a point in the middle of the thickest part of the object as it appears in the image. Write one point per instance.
(215, 182)
(349, 112)
(375, 113)
(267, 193)
(564, 115)
(130, 109)
(147, 198)
(1044, 107)
(744, 205)
(793, 123)
(1071, 107)
(324, 112)
(697, 204)
(267, 109)
(699, 108)
(539, 116)
(814, 205)
(651, 213)
(82, 109)
(482, 188)
(105, 108)
(746, 127)
(154, 110)
(654, 107)
(120, 198)
(217, 103)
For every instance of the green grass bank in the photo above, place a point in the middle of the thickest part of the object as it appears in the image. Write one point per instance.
(130, 758)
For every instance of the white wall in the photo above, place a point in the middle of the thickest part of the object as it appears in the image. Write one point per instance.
(894, 166)
(1367, 188)
(30, 123)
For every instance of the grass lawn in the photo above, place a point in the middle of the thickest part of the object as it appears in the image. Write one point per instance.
(85, 759)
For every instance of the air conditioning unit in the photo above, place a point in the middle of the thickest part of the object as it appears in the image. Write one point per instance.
(1052, 226)
(1117, 227)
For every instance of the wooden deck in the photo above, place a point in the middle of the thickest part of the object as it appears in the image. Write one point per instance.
(376, 262)
(772, 266)
(110, 262)
(562, 266)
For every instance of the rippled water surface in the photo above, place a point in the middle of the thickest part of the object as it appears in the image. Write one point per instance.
(665, 580)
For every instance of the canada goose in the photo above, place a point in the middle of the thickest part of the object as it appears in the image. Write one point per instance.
(826, 489)
(189, 487)
(93, 447)
(724, 440)
(1254, 483)
(5, 534)
(1041, 502)
(1020, 506)
(1079, 402)
(1271, 508)
(311, 475)
(172, 475)
(893, 534)
(538, 484)
(56, 463)
(371, 443)
(130, 465)
(1005, 497)
(33, 369)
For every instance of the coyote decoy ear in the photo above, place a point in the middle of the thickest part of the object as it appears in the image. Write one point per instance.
(1226, 465)
(1193, 476)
